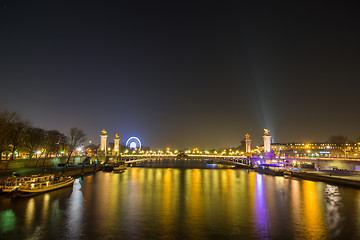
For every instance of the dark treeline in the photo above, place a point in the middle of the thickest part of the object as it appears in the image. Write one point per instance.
(19, 135)
(342, 144)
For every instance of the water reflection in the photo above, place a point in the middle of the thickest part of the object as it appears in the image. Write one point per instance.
(30, 214)
(260, 207)
(334, 205)
(7, 221)
(295, 207)
(167, 198)
(314, 226)
(193, 184)
(74, 213)
(45, 208)
(160, 203)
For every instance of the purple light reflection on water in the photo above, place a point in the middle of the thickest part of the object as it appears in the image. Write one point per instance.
(261, 211)
(185, 203)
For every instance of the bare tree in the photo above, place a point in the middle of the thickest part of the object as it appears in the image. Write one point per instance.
(54, 142)
(93, 148)
(77, 137)
(340, 143)
(17, 131)
(338, 139)
(63, 144)
(34, 140)
(5, 118)
(16, 134)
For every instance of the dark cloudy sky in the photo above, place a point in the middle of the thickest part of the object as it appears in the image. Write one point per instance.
(181, 74)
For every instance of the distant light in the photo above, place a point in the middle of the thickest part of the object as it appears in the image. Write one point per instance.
(133, 140)
(132, 145)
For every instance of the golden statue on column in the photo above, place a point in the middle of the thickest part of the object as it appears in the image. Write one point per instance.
(267, 141)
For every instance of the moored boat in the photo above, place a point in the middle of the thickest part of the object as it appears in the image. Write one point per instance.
(121, 167)
(43, 185)
(11, 184)
(108, 168)
(270, 169)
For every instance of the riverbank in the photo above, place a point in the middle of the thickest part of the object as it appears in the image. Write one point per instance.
(74, 171)
(19, 164)
(352, 180)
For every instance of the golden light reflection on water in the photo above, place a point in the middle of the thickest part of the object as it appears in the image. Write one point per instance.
(134, 201)
(229, 199)
(313, 220)
(114, 199)
(193, 183)
(45, 208)
(167, 199)
(145, 203)
(243, 205)
(103, 200)
(251, 201)
(295, 205)
(89, 189)
(30, 214)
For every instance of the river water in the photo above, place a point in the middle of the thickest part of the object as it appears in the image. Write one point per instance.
(185, 203)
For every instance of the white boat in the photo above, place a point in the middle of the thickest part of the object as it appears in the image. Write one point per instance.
(11, 184)
(43, 184)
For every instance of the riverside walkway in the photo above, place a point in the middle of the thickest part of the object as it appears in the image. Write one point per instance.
(336, 177)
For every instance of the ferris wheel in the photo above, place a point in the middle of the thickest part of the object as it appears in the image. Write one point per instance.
(133, 143)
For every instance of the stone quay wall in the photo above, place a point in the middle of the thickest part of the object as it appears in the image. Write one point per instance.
(37, 163)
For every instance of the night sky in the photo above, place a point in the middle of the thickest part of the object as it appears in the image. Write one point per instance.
(183, 75)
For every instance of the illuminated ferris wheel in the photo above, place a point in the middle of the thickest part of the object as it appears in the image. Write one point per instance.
(133, 143)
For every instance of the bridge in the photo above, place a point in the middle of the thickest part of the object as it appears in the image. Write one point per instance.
(244, 161)
(236, 160)
(138, 160)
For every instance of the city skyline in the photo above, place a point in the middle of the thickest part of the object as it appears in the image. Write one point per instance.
(179, 75)
(13, 123)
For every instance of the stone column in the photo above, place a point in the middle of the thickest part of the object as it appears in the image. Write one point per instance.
(267, 141)
(103, 140)
(248, 144)
(116, 144)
